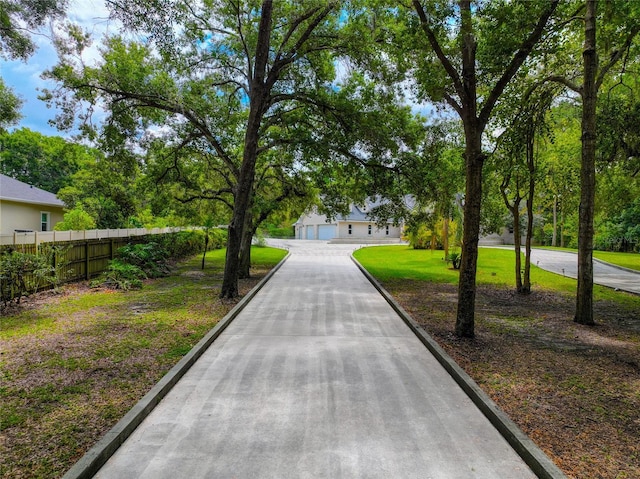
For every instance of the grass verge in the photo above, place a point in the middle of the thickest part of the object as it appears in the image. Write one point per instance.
(72, 364)
(575, 390)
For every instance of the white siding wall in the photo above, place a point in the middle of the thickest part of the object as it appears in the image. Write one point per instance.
(23, 216)
(361, 230)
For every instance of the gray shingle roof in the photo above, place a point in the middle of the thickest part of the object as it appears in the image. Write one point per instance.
(14, 190)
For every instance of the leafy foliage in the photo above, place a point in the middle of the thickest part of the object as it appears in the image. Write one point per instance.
(9, 106)
(622, 232)
(150, 258)
(48, 162)
(22, 274)
(137, 262)
(76, 219)
(121, 275)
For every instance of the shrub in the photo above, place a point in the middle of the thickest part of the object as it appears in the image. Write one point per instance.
(275, 232)
(22, 274)
(187, 243)
(218, 238)
(151, 258)
(455, 259)
(121, 275)
(76, 219)
(420, 236)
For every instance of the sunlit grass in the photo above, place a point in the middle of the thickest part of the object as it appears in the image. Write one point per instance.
(495, 266)
(627, 260)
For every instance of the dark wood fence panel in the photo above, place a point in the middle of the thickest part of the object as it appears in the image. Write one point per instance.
(79, 260)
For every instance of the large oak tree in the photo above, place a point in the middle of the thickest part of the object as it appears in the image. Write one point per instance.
(470, 53)
(233, 74)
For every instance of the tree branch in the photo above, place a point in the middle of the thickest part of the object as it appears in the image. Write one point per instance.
(433, 41)
(166, 105)
(517, 60)
(249, 73)
(281, 63)
(453, 103)
(563, 81)
(616, 56)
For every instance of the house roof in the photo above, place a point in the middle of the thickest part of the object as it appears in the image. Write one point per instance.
(14, 190)
(357, 213)
(361, 212)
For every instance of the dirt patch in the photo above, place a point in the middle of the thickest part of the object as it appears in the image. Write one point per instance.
(575, 390)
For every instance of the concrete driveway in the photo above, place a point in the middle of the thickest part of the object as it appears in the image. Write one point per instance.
(565, 263)
(317, 377)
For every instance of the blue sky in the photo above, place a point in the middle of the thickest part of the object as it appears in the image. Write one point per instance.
(24, 77)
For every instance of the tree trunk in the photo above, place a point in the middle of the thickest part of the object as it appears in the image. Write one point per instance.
(517, 236)
(245, 249)
(445, 235)
(555, 221)
(514, 209)
(584, 297)
(258, 96)
(526, 287)
(206, 246)
(474, 160)
(561, 227)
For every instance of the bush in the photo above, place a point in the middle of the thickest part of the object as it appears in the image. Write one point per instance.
(187, 243)
(121, 275)
(22, 274)
(419, 236)
(151, 258)
(140, 261)
(455, 259)
(275, 232)
(217, 238)
(76, 219)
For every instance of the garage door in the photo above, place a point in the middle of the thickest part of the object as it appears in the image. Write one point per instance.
(310, 233)
(326, 232)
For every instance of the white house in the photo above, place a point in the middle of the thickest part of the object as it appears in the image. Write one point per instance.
(26, 208)
(356, 226)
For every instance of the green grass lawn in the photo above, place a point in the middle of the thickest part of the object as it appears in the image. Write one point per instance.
(627, 260)
(495, 266)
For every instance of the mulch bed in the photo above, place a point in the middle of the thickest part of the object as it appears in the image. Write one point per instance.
(574, 389)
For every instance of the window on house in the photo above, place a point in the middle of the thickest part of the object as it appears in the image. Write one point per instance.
(350, 228)
(44, 221)
(387, 230)
(369, 229)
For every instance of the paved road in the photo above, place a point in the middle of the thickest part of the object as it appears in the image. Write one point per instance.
(316, 378)
(565, 263)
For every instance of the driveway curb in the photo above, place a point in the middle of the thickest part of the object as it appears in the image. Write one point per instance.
(89, 464)
(532, 455)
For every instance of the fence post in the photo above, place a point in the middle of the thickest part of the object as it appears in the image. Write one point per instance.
(86, 261)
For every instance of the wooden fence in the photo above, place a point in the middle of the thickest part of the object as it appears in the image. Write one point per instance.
(80, 259)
